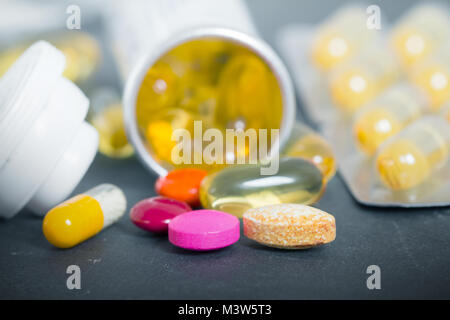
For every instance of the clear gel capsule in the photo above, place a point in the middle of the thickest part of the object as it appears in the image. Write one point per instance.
(83, 216)
(305, 143)
(81, 50)
(107, 118)
(388, 114)
(340, 37)
(410, 157)
(433, 77)
(238, 188)
(355, 83)
(420, 32)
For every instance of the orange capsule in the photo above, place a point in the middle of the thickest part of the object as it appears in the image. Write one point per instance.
(182, 185)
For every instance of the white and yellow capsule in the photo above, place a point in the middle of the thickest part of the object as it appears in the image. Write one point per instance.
(83, 216)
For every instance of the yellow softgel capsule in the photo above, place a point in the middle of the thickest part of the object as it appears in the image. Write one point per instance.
(113, 140)
(159, 131)
(83, 216)
(410, 157)
(81, 50)
(420, 32)
(433, 77)
(249, 96)
(389, 113)
(159, 90)
(305, 143)
(355, 83)
(340, 37)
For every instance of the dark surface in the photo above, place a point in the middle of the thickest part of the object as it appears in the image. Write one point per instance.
(410, 246)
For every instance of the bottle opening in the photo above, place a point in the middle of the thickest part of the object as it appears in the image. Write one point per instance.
(211, 101)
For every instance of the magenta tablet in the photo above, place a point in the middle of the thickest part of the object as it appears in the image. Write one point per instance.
(154, 214)
(204, 230)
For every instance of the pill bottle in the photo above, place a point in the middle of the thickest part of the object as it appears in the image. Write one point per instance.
(409, 158)
(340, 37)
(420, 32)
(388, 114)
(195, 60)
(46, 146)
(356, 82)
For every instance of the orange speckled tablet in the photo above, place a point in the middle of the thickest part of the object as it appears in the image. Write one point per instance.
(182, 185)
(289, 226)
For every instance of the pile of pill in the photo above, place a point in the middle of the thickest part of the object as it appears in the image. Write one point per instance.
(392, 87)
(226, 86)
(208, 81)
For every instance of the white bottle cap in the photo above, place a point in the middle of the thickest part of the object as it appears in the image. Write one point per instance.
(45, 145)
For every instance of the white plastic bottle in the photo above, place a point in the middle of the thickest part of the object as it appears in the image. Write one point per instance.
(45, 144)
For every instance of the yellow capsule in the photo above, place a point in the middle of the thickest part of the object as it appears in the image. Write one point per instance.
(410, 157)
(248, 94)
(81, 50)
(340, 37)
(420, 32)
(306, 143)
(158, 91)
(389, 113)
(159, 132)
(354, 84)
(433, 76)
(107, 118)
(83, 216)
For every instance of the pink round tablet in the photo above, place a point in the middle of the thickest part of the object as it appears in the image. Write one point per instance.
(154, 214)
(204, 230)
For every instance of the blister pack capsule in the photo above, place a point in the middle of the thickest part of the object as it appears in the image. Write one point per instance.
(420, 32)
(340, 37)
(388, 114)
(355, 83)
(410, 157)
(433, 77)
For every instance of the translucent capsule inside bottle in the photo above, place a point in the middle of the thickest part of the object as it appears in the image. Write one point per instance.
(355, 83)
(340, 37)
(107, 117)
(420, 32)
(305, 143)
(413, 155)
(433, 77)
(218, 82)
(388, 114)
(238, 188)
(81, 50)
